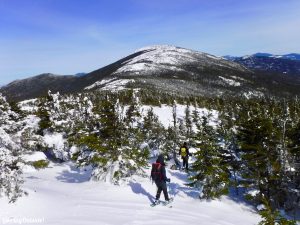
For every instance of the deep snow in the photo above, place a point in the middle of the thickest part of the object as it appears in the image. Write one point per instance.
(63, 194)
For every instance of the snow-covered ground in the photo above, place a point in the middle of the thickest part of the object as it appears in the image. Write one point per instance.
(113, 84)
(165, 113)
(63, 194)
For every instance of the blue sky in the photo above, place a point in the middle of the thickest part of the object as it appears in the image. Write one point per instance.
(71, 36)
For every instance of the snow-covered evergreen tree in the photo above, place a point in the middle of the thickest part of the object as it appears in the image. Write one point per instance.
(114, 148)
(208, 172)
(10, 161)
(259, 141)
(152, 130)
(228, 146)
(137, 157)
(188, 122)
(44, 114)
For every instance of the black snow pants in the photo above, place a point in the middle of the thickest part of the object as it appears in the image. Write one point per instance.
(161, 187)
(185, 162)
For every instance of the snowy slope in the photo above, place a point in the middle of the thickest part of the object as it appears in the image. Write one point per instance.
(165, 113)
(62, 194)
(157, 58)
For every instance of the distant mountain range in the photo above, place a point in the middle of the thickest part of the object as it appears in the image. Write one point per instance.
(291, 56)
(285, 64)
(175, 70)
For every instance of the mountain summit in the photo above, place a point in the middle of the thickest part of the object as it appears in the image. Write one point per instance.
(171, 59)
(164, 68)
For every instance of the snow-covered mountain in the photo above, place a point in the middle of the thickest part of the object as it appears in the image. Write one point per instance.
(283, 64)
(163, 58)
(170, 69)
(291, 56)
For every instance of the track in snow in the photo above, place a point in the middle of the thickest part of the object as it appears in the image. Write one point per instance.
(64, 195)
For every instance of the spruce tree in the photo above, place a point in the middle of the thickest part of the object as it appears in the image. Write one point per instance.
(228, 148)
(134, 136)
(188, 122)
(209, 173)
(10, 152)
(271, 216)
(152, 129)
(258, 140)
(43, 113)
(114, 148)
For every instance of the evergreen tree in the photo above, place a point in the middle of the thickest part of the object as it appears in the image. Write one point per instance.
(10, 151)
(152, 130)
(271, 216)
(134, 136)
(188, 122)
(114, 152)
(229, 149)
(43, 113)
(259, 139)
(209, 173)
(169, 143)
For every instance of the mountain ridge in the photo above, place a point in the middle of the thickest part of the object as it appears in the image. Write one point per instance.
(283, 64)
(291, 56)
(163, 67)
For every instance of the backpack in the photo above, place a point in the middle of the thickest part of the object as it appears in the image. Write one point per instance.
(183, 151)
(156, 174)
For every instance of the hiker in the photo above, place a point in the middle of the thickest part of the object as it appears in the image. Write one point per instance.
(158, 175)
(184, 153)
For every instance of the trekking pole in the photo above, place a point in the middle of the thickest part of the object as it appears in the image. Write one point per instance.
(169, 189)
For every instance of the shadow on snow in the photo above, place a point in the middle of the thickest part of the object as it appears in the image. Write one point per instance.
(138, 189)
(74, 175)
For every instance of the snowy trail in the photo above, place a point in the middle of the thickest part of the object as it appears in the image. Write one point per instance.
(64, 195)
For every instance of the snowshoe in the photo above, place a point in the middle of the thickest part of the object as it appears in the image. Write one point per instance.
(168, 202)
(155, 203)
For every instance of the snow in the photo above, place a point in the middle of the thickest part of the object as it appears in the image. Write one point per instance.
(246, 57)
(253, 192)
(213, 57)
(55, 139)
(100, 83)
(30, 121)
(260, 207)
(5, 140)
(169, 58)
(110, 84)
(231, 82)
(28, 105)
(63, 194)
(117, 85)
(58, 144)
(165, 113)
(34, 156)
(250, 94)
